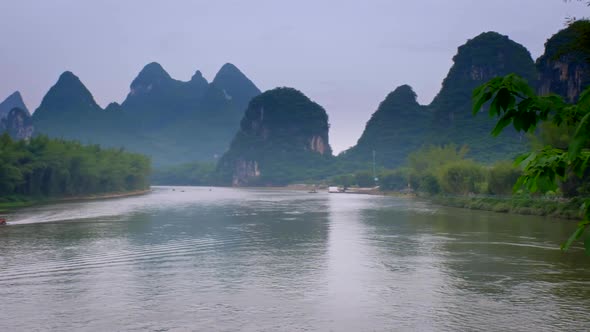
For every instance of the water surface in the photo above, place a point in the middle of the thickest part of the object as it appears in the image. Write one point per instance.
(279, 260)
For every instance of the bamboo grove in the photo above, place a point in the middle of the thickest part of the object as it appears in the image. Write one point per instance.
(44, 167)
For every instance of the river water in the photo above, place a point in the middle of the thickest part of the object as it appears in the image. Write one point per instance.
(196, 259)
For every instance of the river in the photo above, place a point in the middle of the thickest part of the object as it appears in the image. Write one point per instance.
(221, 259)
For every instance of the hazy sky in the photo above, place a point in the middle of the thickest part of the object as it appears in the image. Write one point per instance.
(345, 55)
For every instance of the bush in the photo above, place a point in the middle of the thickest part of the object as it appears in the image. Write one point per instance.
(393, 180)
(429, 184)
(502, 177)
(461, 177)
(364, 179)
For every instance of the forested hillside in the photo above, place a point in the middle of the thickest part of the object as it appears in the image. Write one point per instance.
(283, 137)
(397, 128)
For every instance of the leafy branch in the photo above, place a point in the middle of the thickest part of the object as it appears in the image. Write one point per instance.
(512, 101)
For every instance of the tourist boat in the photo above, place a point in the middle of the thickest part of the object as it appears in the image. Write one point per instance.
(2, 221)
(335, 190)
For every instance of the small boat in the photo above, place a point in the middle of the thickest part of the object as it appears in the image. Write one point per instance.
(335, 190)
(2, 221)
(313, 191)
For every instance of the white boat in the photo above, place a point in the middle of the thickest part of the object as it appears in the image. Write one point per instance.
(334, 190)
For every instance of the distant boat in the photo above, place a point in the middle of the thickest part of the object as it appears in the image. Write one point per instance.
(335, 190)
(313, 191)
(2, 221)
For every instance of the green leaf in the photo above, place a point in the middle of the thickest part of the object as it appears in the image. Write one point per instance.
(587, 245)
(502, 123)
(584, 99)
(477, 105)
(503, 98)
(575, 235)
(582, 125)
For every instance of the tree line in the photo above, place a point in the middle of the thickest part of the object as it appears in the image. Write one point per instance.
(439, 170)
(44, 167)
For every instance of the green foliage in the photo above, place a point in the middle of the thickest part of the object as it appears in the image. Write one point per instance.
(429, 184)
(392, 131)
(480, 59)
(46, 167)
(364, 179)
(572, 43)
(512, 101)
(444, 169)
(276, 134)
(429, 159)
(566, 209)
(394, 180)
(461, 177)
(550, 134)
(502, 178)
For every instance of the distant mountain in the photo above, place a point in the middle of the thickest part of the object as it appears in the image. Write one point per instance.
(170, 120)
(400, 125)
(157, 99)
(15, 100)
(113, 108)
(235, 85)
(283, 137)
(68, 96)
(18, 124)
(68, 110)
(562, 70)
(394, 130)
(482, 58)
(194, 120)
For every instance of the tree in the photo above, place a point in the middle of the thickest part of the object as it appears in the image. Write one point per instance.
(514, 102)
(502, 177)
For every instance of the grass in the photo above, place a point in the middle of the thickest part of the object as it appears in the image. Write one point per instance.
(558, 208)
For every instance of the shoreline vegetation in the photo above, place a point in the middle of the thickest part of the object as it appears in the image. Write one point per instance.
(9, 206)
(42, 170)
(563, 208)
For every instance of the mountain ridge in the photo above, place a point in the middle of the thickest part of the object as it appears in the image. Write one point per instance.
(171, 120)
(14, 100)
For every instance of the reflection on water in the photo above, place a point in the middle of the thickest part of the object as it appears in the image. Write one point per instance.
(246, 259)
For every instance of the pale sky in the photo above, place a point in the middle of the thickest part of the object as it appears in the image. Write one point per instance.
(345, 55)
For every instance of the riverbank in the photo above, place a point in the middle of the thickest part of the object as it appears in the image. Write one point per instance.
(565, 208)
(21, 202)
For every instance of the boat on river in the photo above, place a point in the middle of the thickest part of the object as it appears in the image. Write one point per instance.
(2, 221)
(335, 190)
